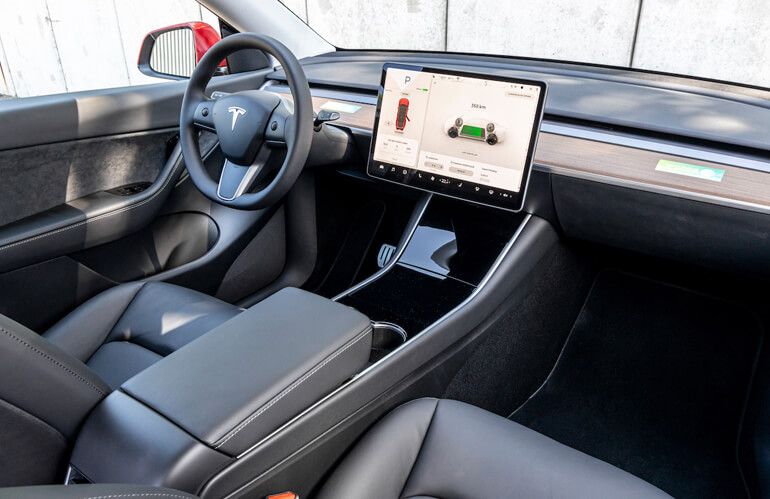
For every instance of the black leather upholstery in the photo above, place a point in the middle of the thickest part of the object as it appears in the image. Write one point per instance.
(124, 441)
(46, 388)
(432, 449)
(446, 449)
(101, 491)
(45, 393)
(126, 329)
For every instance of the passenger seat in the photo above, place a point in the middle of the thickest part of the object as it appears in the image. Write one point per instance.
(431, 449)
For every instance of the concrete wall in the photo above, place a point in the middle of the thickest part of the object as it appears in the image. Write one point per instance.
(53, 46)
(720, 39)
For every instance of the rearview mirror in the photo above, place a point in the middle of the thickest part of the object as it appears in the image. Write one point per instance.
(174, 51)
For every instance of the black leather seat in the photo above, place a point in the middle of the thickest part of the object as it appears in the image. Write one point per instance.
(432, 448)
(429, 449)
(49, 384)
(124, 330)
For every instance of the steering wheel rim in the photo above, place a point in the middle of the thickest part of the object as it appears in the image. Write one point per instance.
(295, 128)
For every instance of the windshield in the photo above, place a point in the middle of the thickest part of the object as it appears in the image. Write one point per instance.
(715, 39)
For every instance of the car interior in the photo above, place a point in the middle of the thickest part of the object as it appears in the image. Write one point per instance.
(384, 274)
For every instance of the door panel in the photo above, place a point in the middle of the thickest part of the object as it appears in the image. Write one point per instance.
(191, 242)
(38, 178)
(66, 233)
(55, 188)
(85, 222)
(96, 113)
(166, 243)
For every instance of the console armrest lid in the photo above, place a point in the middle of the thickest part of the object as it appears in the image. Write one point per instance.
(238, 383)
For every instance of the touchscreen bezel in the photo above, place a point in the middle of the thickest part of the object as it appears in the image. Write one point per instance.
(513, 203)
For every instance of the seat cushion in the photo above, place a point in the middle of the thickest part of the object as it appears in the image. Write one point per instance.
(446, 449)
(126, 329)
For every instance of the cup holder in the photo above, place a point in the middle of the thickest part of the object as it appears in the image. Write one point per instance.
(386, 337)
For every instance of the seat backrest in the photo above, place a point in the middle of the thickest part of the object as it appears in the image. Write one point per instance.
(45, 394)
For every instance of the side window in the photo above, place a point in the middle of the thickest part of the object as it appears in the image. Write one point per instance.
(58, 46)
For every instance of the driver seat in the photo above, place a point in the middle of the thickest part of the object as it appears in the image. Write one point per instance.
(126, 329)
(49, 383)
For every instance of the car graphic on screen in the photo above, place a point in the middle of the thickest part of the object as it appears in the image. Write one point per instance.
(475, 128)
(401, 117)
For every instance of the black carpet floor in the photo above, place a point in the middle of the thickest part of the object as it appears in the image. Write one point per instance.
(520, 349)
(653, 379)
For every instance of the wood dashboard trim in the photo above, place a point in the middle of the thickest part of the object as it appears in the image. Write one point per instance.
(598, 160)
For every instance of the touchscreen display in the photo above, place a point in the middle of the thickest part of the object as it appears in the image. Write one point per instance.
(461, 134)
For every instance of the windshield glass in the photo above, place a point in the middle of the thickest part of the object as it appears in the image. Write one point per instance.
(716, 39)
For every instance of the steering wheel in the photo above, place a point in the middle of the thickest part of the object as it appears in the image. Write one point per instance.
(248, 125)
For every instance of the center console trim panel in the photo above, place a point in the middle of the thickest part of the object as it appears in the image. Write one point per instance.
(532, 242)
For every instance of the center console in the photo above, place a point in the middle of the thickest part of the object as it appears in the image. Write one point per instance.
(184, 418)
(447, 258)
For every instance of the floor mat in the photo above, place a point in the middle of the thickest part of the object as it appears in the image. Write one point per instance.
(521, 347)
(653, 379)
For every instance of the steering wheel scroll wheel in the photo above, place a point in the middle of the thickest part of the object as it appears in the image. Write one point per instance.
(248, 125)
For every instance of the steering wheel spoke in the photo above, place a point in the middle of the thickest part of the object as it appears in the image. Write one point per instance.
(204, 116)
(280, 120)
(236, 180)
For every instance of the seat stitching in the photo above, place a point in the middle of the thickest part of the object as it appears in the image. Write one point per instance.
(291, 387)
(103, 215)
(144, 494)
(45, 355)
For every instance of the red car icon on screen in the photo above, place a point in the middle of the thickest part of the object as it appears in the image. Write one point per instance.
(401, 117)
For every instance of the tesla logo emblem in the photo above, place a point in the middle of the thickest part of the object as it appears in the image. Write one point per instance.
(237, 111)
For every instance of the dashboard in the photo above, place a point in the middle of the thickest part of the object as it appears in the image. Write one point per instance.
(601, 125)
(602, 156)
(656, 164)
(467, 135)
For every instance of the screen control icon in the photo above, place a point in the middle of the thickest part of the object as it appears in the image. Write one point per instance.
(402, 116)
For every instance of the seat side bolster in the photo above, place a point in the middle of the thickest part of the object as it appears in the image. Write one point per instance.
(469, 452)
(380, 464)
(87, 327)
(42, 379)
